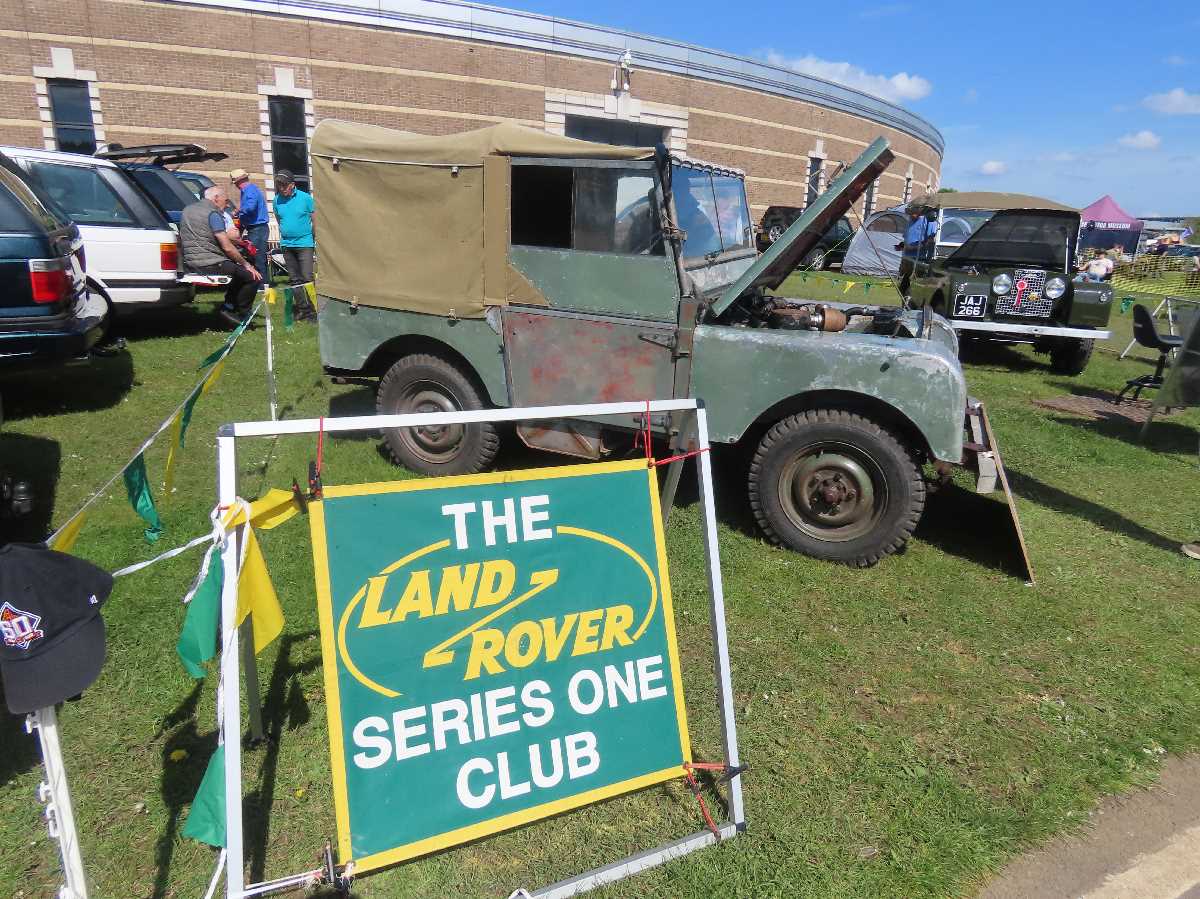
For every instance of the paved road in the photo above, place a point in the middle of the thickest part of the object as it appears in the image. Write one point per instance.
(1141, 845)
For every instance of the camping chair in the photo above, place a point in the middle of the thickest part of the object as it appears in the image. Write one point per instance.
(1147, 335)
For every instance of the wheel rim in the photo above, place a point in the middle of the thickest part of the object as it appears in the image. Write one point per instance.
(436, 444)
(774, 233)
(833, 491)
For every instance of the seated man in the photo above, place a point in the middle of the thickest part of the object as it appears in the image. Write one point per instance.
(208, 250)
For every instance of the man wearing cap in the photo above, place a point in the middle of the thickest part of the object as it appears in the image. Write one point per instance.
(51, 632)
(294, 212)
(252, 216)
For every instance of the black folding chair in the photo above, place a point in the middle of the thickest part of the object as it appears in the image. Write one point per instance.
(1147, 335)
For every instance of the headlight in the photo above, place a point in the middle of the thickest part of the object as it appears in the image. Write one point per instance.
(1055, 288)
(1001, 284)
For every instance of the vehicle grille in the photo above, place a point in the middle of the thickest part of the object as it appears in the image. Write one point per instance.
(1027, 284)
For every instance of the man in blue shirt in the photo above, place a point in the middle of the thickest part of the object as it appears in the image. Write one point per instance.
(915, 236)
(252, 216)
(294, 213)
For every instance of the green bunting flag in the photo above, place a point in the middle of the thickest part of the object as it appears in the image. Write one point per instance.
(215, 355)
(206, 819)
(289, 312)
(185, 417)
(198, 638)
(137, 485)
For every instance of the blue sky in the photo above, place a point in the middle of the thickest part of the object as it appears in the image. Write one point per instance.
(1067, 101)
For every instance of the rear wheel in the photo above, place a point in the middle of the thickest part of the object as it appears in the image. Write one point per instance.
(425, 383)
(836, 486)
(814, 260)
(1070, 356)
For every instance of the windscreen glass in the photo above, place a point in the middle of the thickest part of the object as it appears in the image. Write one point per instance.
(616, 211)
(1020, 237)
(20, 204)
(959, 224)
(712, 212)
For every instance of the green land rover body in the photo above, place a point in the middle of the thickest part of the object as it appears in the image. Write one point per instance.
(509, 267)
(1011, 276)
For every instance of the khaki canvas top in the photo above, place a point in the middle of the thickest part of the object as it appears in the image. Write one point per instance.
(420, 222)
(983, 199)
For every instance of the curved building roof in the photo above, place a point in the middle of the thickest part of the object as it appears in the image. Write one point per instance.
(455, 18)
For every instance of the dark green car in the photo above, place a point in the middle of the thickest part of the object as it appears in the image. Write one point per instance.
(1011, 277)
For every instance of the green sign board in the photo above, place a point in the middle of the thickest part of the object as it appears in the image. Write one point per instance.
(497, 648)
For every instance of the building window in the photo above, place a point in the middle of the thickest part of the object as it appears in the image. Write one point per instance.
(71, 113)
(869, 198)
(815, 169)
(614, 131)
(289, 138)
(907, 188)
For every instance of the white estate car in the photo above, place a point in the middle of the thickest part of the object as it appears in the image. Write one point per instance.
(131, 251)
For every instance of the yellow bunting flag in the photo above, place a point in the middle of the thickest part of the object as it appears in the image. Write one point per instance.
(212, 376)
(311, 289)
(849, 284)
(172, 452)
(65, 537)
(256, 596)
(270, 510)
(270, 296)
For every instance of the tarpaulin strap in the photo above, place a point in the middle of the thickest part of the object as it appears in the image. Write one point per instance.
(695, 788)
(679, 458)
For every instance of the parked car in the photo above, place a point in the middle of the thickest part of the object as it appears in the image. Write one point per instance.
(150, 167)
(195, 182)
(828, 251)
(132, 253)
(622, 274)
(45, 311)
(1012, 278)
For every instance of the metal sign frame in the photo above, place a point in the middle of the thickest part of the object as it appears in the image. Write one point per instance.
(230, 700)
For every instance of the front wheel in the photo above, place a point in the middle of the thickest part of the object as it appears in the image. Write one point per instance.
(424, 383)
(813, 261)
(836, 486)
(1070, 356)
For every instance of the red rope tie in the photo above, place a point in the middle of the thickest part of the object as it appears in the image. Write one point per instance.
(695, 788)
(679, 458)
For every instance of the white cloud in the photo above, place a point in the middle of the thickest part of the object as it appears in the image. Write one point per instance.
(1174, 102)
(899, 87)
(1176, 60)
(1062, 156)
(993, 167)
(1142, 140)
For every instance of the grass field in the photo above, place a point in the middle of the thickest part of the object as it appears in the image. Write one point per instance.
(907, 727)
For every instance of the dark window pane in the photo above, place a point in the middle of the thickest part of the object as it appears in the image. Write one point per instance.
(814, 179)
(616, 211)
(290, 155)
(613, 131)
(287, 117)
(732, 212)
(76, 140)
(15, 189)
(70, 103)
(81, 192)
(541, 206)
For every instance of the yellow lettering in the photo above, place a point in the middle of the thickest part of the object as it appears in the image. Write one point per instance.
(458, 585)
(486, 644)
(418, 597)
(496, 583)
(372, 615)
(556, 639)
(616, 627)
(529, 631)
(587, 632)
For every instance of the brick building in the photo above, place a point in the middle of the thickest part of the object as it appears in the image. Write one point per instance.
(251, 79)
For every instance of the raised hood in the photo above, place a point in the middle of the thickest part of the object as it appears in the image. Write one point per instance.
(782, 257)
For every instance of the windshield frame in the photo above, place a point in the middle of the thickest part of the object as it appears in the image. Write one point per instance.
(721, 252)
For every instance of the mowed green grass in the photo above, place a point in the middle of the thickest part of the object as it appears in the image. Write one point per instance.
(908, 728)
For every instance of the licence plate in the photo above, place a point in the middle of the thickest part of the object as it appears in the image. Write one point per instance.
(969, 306)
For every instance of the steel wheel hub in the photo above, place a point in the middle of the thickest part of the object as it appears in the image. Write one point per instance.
(434, 443)
(829, 492)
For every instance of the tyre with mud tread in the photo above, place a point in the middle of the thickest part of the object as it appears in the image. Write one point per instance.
(813, 261)
(1070, 356)
(832, 484)
(427, 383)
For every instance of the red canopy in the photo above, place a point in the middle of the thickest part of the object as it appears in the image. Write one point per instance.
(1108, 216)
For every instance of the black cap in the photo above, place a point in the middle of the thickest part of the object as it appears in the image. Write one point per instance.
(51, 632)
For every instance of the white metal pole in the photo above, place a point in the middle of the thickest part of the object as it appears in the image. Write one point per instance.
(716, 592)
(231, 708)
(270, 362)
(53, 791)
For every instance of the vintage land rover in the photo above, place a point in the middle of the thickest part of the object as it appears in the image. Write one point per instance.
(1004, 270)
(510, 267)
